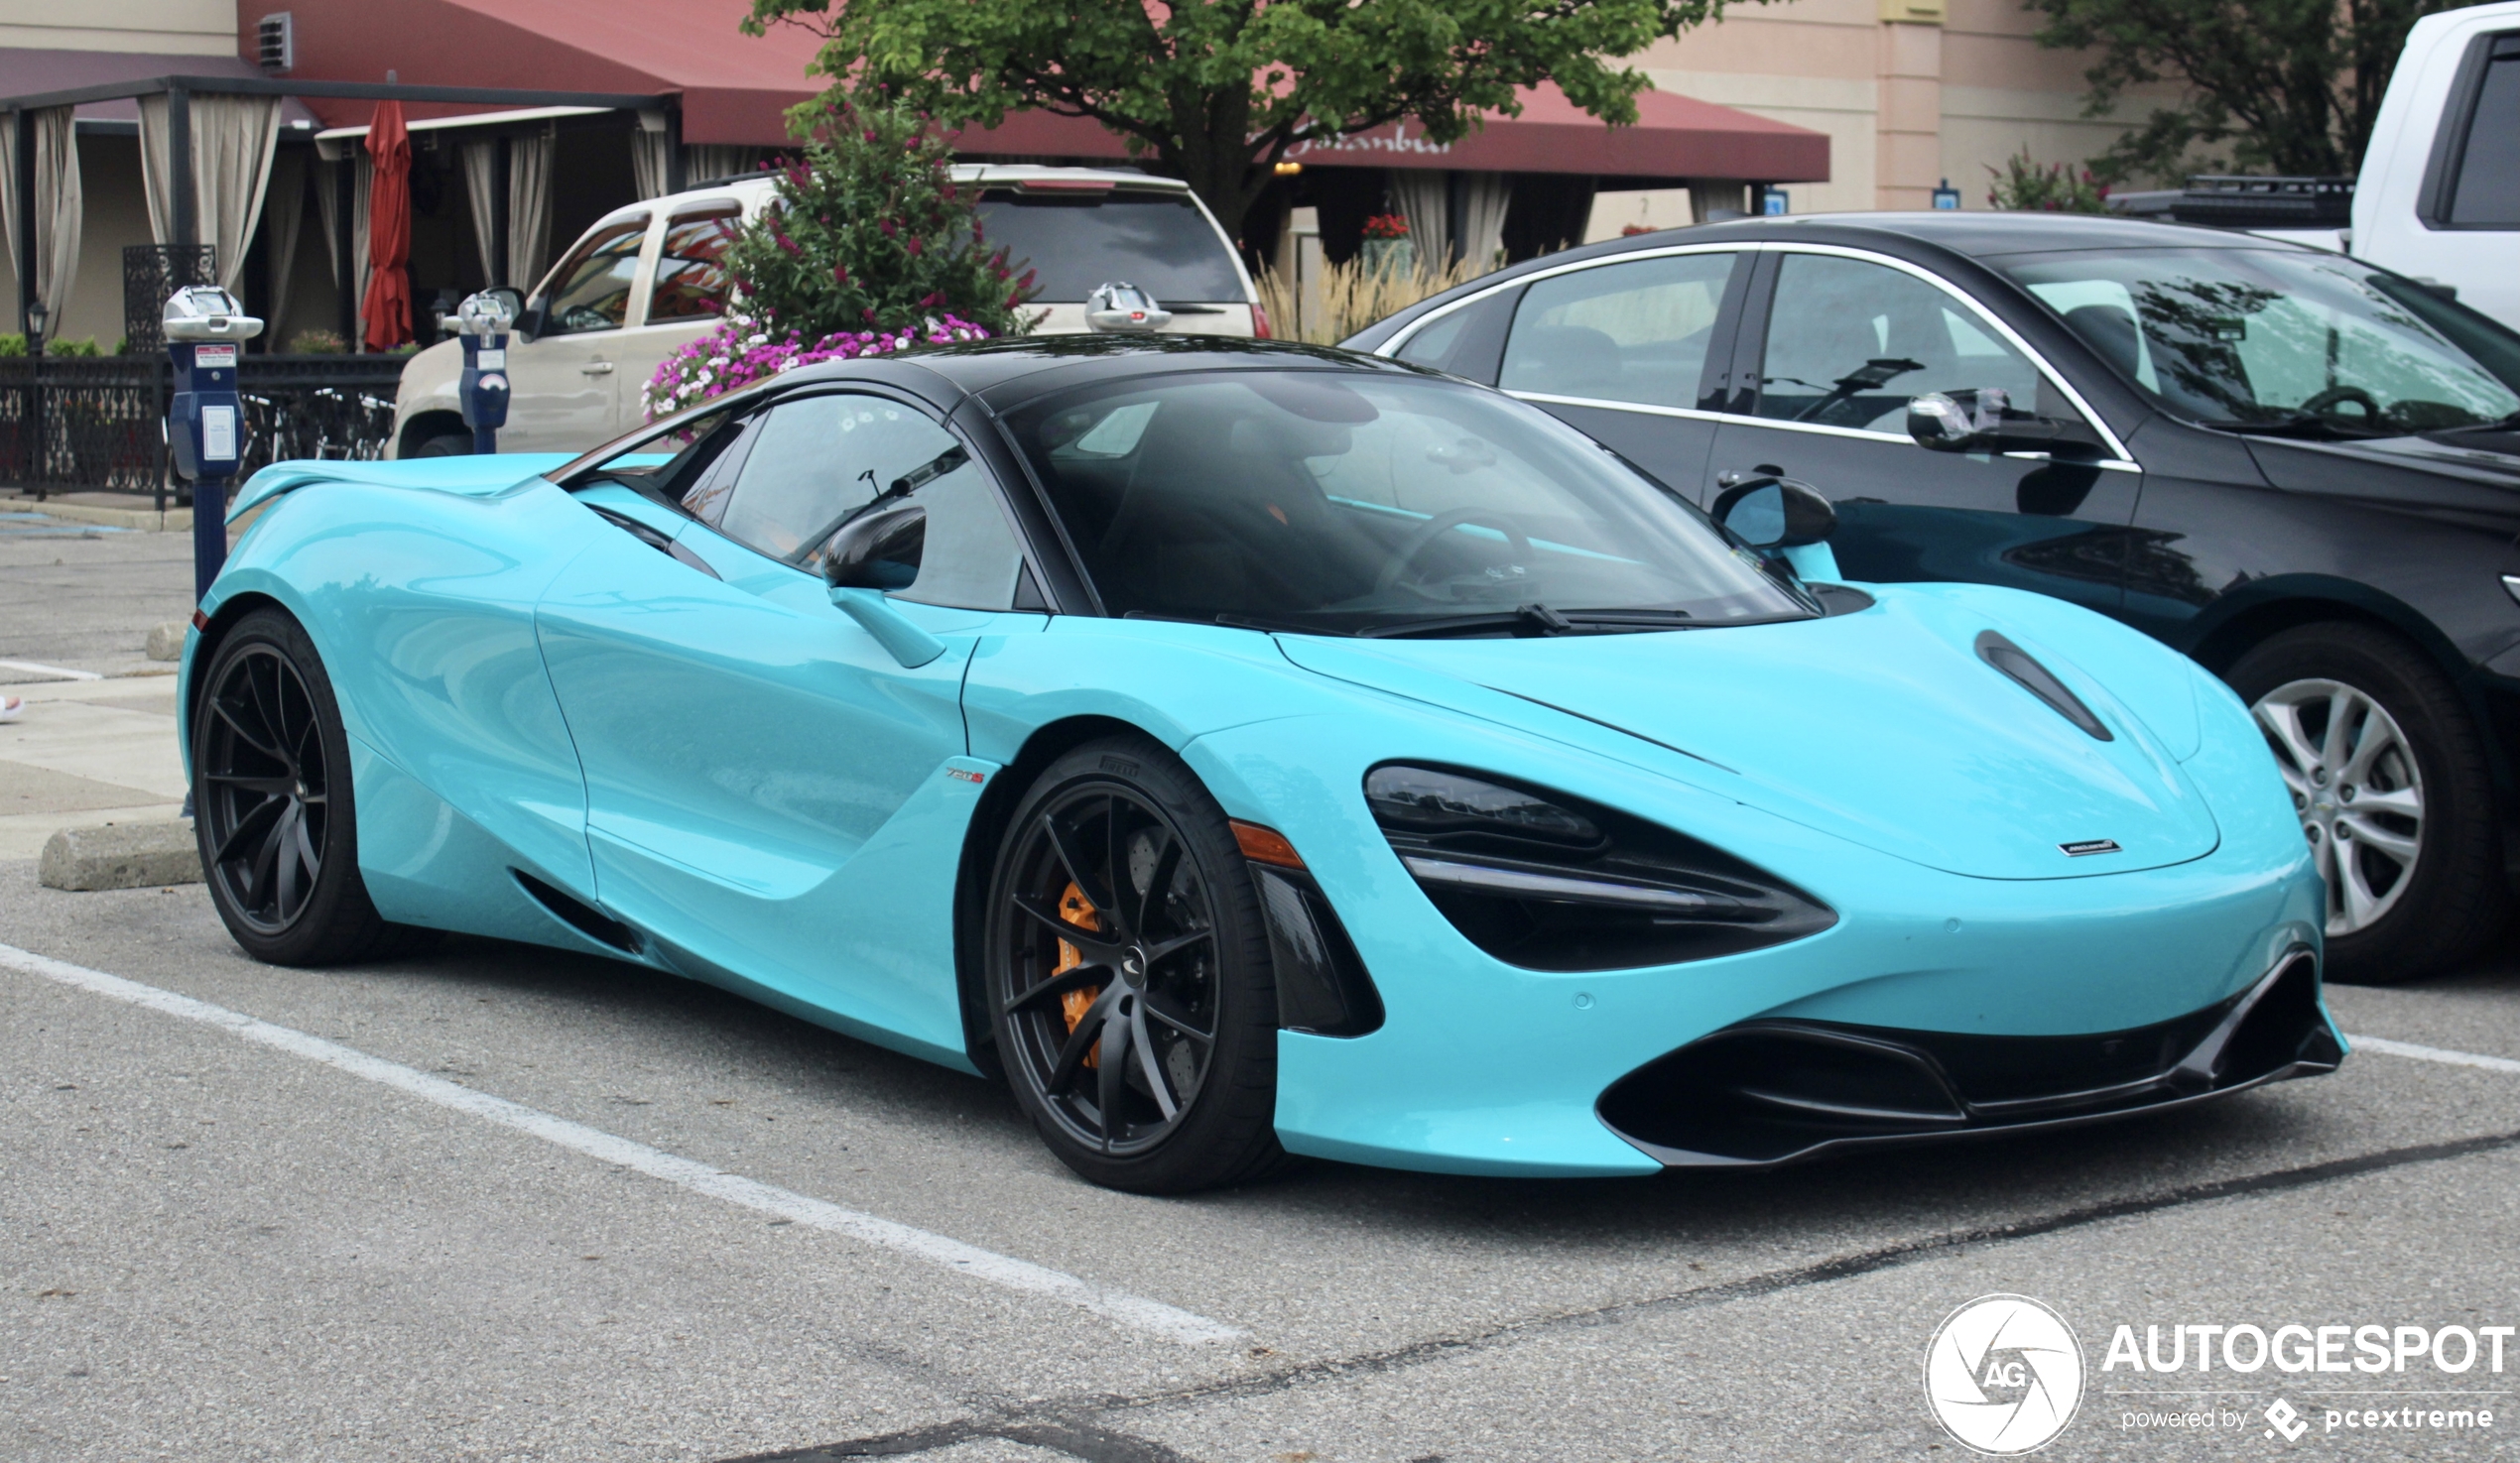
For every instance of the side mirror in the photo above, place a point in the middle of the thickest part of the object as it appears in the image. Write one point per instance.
(870, 555)
(528, 313)
(879, 551)
(1981, 421)
(1776, 513)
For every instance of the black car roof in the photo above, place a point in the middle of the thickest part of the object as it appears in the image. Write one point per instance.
(1007, 373)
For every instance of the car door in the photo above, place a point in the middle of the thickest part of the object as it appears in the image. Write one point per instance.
(1619, 350)
(565, 380)
(765, 781)
(1833, 346)
(680, 303)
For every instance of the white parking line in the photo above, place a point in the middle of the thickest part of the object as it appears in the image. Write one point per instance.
(1134, 1312)
(2434, 1054)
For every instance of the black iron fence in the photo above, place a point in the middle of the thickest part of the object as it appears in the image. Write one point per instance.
(89, 422)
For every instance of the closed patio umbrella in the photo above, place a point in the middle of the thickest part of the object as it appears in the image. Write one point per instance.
(388, 307)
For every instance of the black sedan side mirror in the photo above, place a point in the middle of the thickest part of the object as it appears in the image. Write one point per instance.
(1981, 421)
(1776, 513)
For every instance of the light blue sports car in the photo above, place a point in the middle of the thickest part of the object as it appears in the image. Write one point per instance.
(1249, 750)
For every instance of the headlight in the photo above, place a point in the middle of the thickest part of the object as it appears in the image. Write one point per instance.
(1549, 882)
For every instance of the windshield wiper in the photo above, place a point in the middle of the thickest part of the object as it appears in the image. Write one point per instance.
(1532, 620)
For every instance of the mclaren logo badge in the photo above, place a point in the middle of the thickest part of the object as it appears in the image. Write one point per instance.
(2089, 846)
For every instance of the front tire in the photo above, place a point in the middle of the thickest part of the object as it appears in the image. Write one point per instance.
(1128, 975)
(278, 833)
(2389, 775)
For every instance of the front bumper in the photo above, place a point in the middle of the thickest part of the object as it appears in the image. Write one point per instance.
(1770, 1092)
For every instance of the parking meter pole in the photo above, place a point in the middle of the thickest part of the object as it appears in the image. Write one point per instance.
(205, 329)
(482, 391)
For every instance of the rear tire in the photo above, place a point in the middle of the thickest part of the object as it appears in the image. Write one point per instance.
(1143, 1040)
(2390, 776)
(442, 444)
(278, 833)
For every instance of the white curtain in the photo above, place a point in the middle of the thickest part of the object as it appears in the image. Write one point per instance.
(528, 209)
(233, 138)
(366, 185)
(481, 191)
(60, 205)
(1484, 198)
(329, 208)
(719, 160)
(1424, 198)
(1706, 195)
(651, 162)
(285, 221)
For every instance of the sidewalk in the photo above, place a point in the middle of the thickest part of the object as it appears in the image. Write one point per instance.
(86, 752)
(96, 741)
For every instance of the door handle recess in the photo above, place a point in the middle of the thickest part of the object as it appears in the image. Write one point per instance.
(597, 368)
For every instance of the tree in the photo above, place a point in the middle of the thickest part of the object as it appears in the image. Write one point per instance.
(2288, 86)
(1216, 91)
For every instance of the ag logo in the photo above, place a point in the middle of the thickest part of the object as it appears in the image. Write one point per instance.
(2003, 1375)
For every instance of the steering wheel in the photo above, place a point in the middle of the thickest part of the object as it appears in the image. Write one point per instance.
(2321, 404)
(1444, 522)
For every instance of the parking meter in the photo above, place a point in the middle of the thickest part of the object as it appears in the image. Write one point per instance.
(205, 329)
(482, 391)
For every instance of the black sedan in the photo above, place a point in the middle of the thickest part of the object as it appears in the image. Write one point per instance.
(2303, 470)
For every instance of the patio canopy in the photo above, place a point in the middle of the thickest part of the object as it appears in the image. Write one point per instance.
(735, 88)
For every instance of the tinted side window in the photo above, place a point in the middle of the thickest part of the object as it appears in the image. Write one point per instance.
(691, 268)
(1848, 342)
(815, 463)
(1468, 343)
(591, 289)
(1619, 333)
(2489, 188)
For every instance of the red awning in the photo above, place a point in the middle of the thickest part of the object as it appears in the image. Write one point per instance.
(735, 89)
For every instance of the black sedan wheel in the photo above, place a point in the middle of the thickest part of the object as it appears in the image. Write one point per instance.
(271, 770)
(1128, 975)
(2390, 780)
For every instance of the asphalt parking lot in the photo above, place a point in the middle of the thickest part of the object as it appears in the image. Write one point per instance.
(495, 1202)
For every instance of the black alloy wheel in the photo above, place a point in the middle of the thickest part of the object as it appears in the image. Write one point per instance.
(2390, 779)
(1128, 976)
(272, 801)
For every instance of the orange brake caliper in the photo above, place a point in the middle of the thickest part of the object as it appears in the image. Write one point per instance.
(1076, 910)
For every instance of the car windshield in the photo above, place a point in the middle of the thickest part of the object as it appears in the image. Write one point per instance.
(2273, 338)
(1349, 503)
(1077, 243)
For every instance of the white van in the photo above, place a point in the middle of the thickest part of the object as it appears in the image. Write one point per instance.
(642, 281)
(2438, 197)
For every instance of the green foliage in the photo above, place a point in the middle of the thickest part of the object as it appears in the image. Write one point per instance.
(317, 344)
(2023, 184)
(12, 344)
(868, 232)
(86, 347)
(2286, 85)
(1216, 91)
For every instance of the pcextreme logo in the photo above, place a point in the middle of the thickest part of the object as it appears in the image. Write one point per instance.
(2003, 1375)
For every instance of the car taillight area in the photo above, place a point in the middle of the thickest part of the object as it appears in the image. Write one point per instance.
(1549, 882)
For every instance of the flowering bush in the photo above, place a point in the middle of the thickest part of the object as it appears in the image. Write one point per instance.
(2055, 189)
(744, 349)
(1387, 226)
(867, 247)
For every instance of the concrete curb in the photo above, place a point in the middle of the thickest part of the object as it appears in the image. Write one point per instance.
(120, 856)
(147, 519)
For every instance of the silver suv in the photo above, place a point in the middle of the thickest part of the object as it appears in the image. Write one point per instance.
(648, 279)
